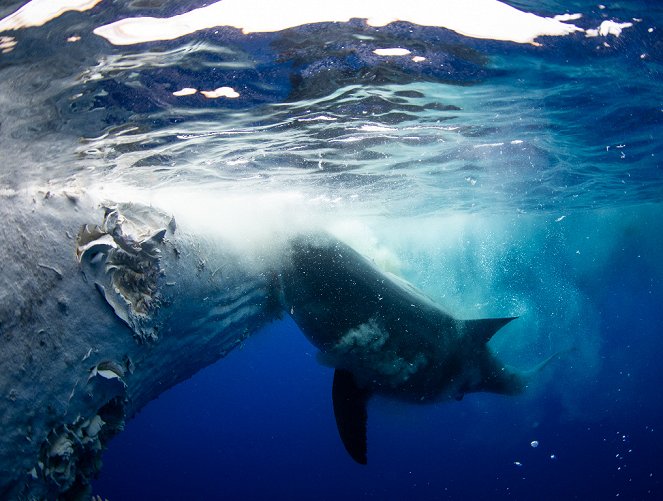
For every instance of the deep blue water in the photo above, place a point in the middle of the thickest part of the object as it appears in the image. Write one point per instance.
(502, 179)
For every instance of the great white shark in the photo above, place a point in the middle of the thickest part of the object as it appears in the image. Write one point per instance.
(382, 336)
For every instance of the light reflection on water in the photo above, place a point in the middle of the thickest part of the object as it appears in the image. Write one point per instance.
(481, 126)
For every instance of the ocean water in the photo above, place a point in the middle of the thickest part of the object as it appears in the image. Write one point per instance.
(502, 179)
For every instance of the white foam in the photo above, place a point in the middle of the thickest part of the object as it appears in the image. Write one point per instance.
(246, 221)
(395, 51)
(186, 91)
(376, 128)
(360, 236)
(487, 19)
(608, 28)
(322, 118)
(567, 17)
(228, 92)
(39, 12)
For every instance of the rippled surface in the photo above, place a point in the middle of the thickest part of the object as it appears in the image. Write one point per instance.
(478, 126)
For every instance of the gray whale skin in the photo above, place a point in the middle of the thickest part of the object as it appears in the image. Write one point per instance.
(104, 306)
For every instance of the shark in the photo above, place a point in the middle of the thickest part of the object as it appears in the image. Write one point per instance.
(384, 337)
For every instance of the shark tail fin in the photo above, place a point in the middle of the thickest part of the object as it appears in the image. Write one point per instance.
(512, 381)
(530, 373)
(350, 413)
(483, 329)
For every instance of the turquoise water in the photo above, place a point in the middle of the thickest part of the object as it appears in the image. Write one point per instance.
(501, 179)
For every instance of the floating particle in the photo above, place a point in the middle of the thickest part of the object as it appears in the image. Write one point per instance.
(553, 456)
(517, 463)
(534, 443)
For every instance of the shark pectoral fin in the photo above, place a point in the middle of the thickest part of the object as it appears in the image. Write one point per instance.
(350, 412)
(484, 328)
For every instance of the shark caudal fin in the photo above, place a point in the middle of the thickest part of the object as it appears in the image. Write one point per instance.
(495, 376)
(350, 413)
(483, 329)
(534, 371)
(507, 380)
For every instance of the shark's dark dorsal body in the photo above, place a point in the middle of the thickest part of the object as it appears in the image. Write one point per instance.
(383, 336)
